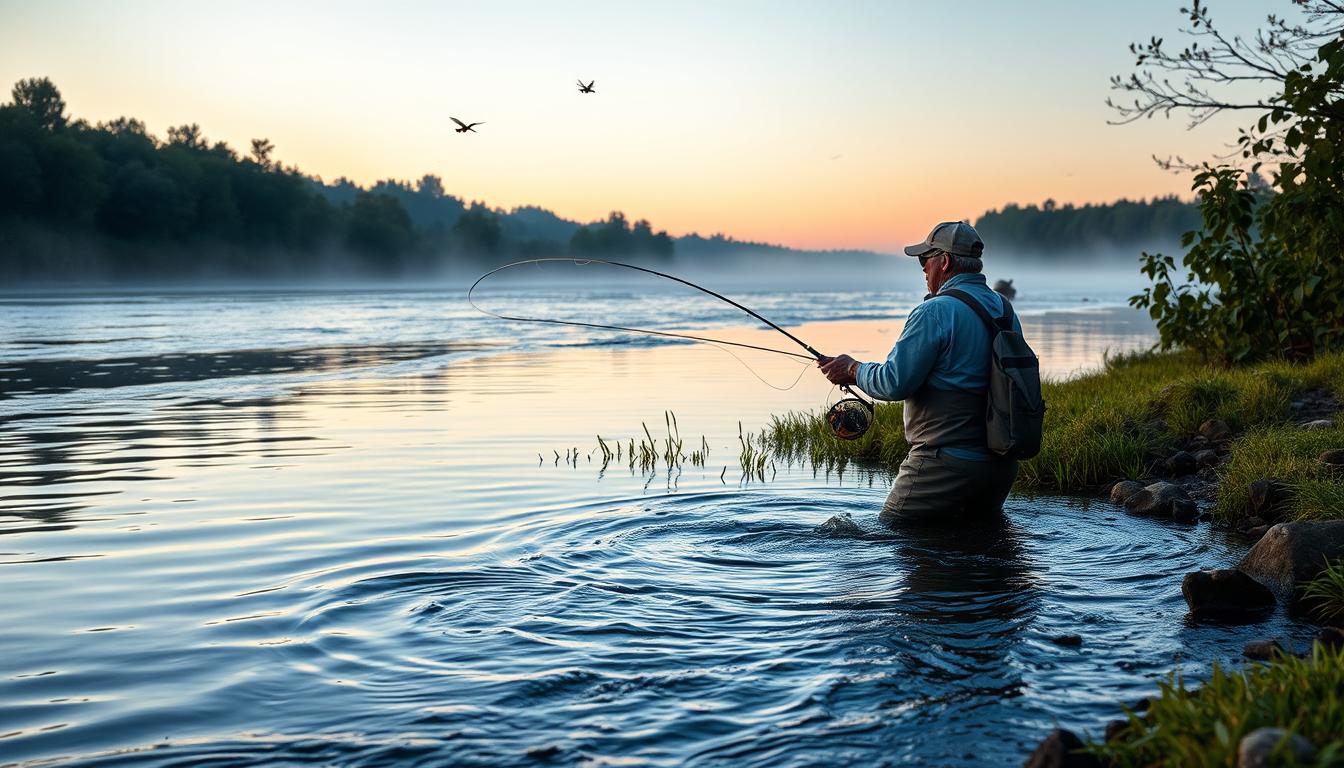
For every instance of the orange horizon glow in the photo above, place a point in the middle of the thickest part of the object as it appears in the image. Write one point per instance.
(816, 128)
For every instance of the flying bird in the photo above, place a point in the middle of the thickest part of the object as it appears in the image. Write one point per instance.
(586, 88)
(464, 127)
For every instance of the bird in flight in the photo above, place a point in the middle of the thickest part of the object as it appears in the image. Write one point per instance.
(586, 88)
(464, 127)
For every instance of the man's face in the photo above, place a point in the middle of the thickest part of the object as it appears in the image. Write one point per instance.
(935, 270)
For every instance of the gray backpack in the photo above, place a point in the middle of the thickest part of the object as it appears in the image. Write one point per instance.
(1015, 412)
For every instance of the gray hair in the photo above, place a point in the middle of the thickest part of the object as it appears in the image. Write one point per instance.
(962, 264)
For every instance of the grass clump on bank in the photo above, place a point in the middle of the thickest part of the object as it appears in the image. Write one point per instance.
(1123, 421)
(1325, 594)
(1204, 727)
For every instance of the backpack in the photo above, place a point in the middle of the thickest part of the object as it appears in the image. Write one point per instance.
(1015, 412)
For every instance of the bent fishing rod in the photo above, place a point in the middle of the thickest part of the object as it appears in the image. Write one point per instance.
(836, 411)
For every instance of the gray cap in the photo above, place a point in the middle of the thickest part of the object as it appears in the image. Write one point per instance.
(956, 237)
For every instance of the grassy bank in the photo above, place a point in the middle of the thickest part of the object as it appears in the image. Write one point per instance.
(1124, 420)
(1204, 727)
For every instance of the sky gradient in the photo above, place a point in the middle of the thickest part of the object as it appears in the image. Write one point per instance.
(844, 125)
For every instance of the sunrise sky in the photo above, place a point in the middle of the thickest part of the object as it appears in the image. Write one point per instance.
(818, 125)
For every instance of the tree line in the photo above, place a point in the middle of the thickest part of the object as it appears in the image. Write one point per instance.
(112, 200)
(1051, 228)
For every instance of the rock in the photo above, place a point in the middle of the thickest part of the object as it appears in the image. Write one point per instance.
(1215, 430)
(1250, 523)
(1184, 511)
(1260, 748)
(840, 526)
(1268, 498)
(1315, 424)
(1226, 595)
(1332, 456)
(1061, 749)
(1331, 637)
(1158, 499)
(1206, 458)
(1068, 641)
(1291, 554)
(1262, 650)
(1197, 443)
(1181, 463)
(1123, 490)
(1257, 533)
(1006, 289)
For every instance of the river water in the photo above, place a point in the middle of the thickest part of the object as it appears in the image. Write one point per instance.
(372, 527)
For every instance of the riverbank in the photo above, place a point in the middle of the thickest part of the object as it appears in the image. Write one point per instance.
(1129, 421)
(1245, 448)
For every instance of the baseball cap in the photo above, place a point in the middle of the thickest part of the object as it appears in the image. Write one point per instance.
(955, 237)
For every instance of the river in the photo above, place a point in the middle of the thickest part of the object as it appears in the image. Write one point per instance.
(372, 527)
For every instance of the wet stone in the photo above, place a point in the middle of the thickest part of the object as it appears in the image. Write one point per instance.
(1262, 650)
(1257, 748)
(840, 526)
(1226, 595)
(1316, 424)
(1068, 640)
(1123, 490)
(1158, 499)
(1061, 749)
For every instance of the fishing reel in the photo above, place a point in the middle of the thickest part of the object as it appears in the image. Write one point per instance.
(851, 417)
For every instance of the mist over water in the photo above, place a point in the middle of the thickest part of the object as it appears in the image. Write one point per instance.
(325, 526)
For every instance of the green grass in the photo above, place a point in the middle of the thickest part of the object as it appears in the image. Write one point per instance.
(1203, 728)
(1117, 423)
(1325, 593)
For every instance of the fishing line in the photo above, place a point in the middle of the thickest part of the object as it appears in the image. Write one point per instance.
(849, 418)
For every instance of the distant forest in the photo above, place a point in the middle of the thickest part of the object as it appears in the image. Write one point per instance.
(1052, 229)
(112, 201)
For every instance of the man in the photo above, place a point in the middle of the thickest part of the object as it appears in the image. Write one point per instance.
(940, 368)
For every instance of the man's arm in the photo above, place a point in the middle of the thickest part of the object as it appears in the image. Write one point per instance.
(911, 360)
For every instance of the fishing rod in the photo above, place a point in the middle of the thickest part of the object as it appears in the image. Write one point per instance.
(847, 421)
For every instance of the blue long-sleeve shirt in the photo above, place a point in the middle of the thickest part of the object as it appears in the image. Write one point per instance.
(944, 344)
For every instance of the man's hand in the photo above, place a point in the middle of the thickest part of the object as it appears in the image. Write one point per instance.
(838, 370)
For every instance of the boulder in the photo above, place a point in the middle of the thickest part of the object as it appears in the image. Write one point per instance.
(1206, 458)
(1061, 749)
(1181, 463)
(1262, 650)
(1215, 430)
(1260, 748)
(1068, 641)
(1268, 498)
(1163, 500)
(1123, 490)
(1197, 443)
(1226, 595)
(1316, 424)
(1291, 554)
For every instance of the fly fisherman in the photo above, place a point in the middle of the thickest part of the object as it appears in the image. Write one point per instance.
(940, 367)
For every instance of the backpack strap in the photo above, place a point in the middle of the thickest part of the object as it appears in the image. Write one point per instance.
(1004, 323)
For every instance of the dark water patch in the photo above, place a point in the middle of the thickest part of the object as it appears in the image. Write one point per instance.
(54, 376)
